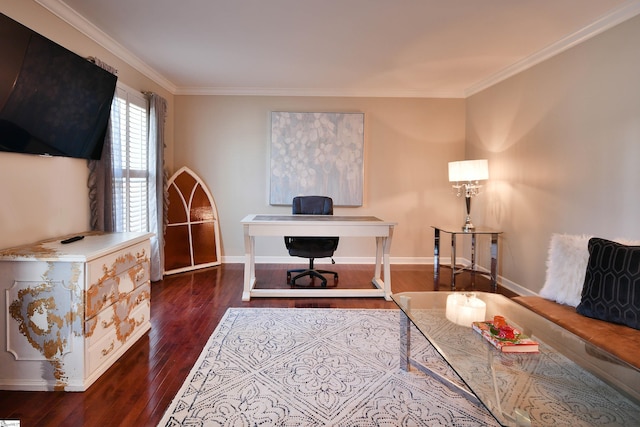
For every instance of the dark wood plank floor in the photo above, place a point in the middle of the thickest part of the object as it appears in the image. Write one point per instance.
(185, 310)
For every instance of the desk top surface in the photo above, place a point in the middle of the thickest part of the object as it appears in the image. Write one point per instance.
(352, 219)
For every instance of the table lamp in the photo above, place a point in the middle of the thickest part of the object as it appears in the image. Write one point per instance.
(466, 176)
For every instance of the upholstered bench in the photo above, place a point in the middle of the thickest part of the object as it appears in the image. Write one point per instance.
(592, 289)
(618, 340)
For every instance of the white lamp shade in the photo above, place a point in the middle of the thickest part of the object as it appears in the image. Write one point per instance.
(469, 170)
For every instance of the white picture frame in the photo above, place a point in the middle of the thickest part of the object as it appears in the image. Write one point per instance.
(317, 154)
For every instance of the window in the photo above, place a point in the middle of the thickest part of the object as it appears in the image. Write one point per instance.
(129, 118)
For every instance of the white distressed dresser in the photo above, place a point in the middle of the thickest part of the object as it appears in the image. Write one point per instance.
(71, 310)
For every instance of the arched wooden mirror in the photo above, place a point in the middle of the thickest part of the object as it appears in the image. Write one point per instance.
(192, 238)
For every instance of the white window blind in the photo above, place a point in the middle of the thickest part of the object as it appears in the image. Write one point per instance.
(131, 164)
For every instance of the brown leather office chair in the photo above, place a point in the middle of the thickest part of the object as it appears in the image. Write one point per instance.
(311, 247)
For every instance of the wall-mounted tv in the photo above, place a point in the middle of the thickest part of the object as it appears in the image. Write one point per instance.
(52, 101)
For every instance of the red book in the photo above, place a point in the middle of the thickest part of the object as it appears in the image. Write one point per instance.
(506, 339)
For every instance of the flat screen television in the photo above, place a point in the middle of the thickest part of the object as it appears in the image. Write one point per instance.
(52, 101)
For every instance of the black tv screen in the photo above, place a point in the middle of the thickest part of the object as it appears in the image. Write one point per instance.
(52, 101)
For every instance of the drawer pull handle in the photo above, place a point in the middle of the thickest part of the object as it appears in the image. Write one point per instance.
(106, 324)
(140, 299)
(108, 350)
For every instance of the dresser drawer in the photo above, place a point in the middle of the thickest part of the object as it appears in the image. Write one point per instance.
(98, 326)
(105, 341)
(132, 311)
(115, 263)
(109, 266)
(122, 316)
(110, 288)
(102, 350)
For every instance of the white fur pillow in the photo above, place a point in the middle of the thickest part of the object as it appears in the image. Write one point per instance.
(566, 267)
(627, 242)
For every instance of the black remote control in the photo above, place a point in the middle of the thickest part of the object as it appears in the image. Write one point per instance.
(71, 239)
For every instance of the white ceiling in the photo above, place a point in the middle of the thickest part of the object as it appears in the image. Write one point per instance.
(415, 48)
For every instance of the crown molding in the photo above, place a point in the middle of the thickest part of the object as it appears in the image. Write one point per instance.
(616, 16)
(352, 93)
(80, 23)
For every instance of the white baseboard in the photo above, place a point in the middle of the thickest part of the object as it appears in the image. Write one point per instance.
(514, 287)
(339, 260)
(505, 283)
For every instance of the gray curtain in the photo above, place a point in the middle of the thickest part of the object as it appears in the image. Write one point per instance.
(158, 193)
(104, 196)
(100, 185)
(101, 172)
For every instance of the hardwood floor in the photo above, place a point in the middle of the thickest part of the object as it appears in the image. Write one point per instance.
(185, 310)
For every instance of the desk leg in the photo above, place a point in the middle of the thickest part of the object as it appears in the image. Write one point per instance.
(249, 264)
(436, 259)
(379, 259)
(387, 264)
(383, 265)
(494, 262)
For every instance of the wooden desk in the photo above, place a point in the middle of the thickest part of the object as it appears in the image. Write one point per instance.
(318, 225)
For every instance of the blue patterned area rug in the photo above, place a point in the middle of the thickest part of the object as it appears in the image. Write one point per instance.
(314, 367)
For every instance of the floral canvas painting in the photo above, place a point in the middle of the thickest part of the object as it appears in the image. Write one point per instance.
(317, 154)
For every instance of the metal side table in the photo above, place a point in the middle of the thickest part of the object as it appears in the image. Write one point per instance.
(455, 231)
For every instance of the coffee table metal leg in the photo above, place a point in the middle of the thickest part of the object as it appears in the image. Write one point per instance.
(453, 261)
(406, 362)
(436, 259)
(405, 342)
(494, 262)
(473, 261)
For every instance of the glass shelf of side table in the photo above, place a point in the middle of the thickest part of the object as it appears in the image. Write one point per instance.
(569, 382)
(474, 232)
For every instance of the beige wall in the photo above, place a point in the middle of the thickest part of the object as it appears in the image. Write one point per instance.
(408, 142)
(563, 139)
(48, 197)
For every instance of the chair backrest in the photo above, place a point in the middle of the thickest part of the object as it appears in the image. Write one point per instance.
(312, 205)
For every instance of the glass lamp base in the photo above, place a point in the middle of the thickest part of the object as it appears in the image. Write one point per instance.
(468, 226)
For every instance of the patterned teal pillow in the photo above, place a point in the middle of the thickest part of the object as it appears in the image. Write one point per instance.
(611, 289)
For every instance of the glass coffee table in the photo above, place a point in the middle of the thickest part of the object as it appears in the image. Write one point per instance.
(568, 382)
